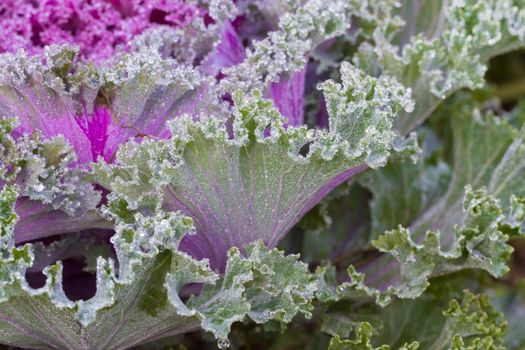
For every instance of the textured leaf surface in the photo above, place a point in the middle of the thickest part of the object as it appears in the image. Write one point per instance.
(258, 182)
(54, 197)
(471, 323)
(138, 301)
(460, 222)
(444, 55)
(512, 303)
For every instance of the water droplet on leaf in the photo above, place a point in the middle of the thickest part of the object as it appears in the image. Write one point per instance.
(223, 343)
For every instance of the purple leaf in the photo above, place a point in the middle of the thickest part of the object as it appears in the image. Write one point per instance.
(288, 96)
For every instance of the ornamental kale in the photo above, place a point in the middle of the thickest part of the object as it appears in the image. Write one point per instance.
(99, 27)
(302, 174)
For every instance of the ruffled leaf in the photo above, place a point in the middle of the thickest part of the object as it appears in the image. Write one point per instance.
(471, 323)
(511, 302)
(361, 109)
(138, 300)
(363, 341)
(265, 285)
(59, 96)
(54, 196)
(285, 50)
(445, 54)
(478, 243)
(454, 226)
(254, 184)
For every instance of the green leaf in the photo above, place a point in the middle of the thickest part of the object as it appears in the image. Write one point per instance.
(121, 312)
(139, 300)
(424, 194)
(437, 57)
(54, 196)
(258, 182)
(478, 243)
(286, 49)
(462, 223)
(338, 228)
(264, 285)
(43, 170)
(361, 109)
(471, 323)
(404, 189)
(363, 341)
(474, 323)
(510, 300)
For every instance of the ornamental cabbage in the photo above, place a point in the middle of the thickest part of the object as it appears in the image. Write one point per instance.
(339, 174)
